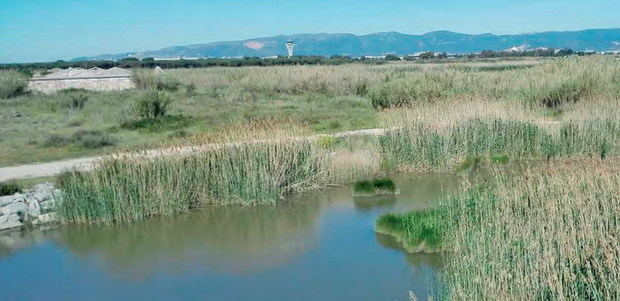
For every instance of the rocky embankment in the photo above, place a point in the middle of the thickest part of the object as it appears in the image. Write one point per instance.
(34, 207)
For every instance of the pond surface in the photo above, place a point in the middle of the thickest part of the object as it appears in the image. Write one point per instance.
(317, 246)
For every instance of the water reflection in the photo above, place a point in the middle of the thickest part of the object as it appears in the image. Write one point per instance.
(381, 202)
(320, 242)
(234, 240)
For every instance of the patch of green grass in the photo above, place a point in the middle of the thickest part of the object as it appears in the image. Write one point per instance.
(384, 184)
(470, 162)
(166, 123)
(327, 142)
(373, 187)
(363, 187)
(9, 188)
(81, 138)
(418, 231)
(500, 158)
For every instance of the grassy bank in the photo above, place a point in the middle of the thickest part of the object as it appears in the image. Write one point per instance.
(550, 233)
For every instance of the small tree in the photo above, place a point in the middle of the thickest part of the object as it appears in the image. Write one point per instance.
(427, 55)
(392, 57)
(153, 104)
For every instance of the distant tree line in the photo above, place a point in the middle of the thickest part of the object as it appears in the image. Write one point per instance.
(190, 63)
(282, 61)
(540, 52)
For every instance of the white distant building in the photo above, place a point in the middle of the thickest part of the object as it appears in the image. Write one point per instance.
(176, 58)
(94, 79)
(520, 48)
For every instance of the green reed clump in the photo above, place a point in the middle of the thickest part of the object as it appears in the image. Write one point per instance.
(374, 187)
(422, 146)
(151, 80)
(131, 188)
(403, 91)
(550, 234)
(417, 231)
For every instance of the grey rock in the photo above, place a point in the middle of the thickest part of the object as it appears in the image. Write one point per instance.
(47, 206)
(14, 208)
(10, 221)
(9, 199)
(46, 219)
(42, 195)
(34, 209)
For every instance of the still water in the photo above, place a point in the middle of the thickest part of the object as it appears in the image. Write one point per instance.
(317, 246)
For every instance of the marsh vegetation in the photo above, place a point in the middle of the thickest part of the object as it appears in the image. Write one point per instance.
(555, 221)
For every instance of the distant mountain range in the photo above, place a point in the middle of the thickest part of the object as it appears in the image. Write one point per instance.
(384, 43)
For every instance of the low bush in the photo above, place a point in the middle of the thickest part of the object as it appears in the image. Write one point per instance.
(152, 105)
(81, 138)
(12, 84)
(55, 140)
(166, 123)
(92, 139)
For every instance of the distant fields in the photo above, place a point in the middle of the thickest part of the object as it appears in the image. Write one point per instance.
(321, 99)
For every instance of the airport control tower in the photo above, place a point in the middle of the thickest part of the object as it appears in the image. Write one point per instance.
(290, 46)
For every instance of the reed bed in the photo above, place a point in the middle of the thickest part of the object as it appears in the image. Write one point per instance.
(420, 146)
(126, 188)
(550, 234)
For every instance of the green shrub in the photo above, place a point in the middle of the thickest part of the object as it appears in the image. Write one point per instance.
(12, 84)
(92, 139)
(81, 138)
(384, 184)
(152, 105)
(367, 188)
(55, 140)
(363, 187)
(69, 99)
(166, 123)
(9, 188)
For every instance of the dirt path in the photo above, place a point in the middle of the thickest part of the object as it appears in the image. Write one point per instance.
(49, 169)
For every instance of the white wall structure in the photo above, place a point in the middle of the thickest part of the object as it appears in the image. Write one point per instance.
(94, 79)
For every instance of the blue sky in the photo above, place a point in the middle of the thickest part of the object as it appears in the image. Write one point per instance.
(47, 30)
